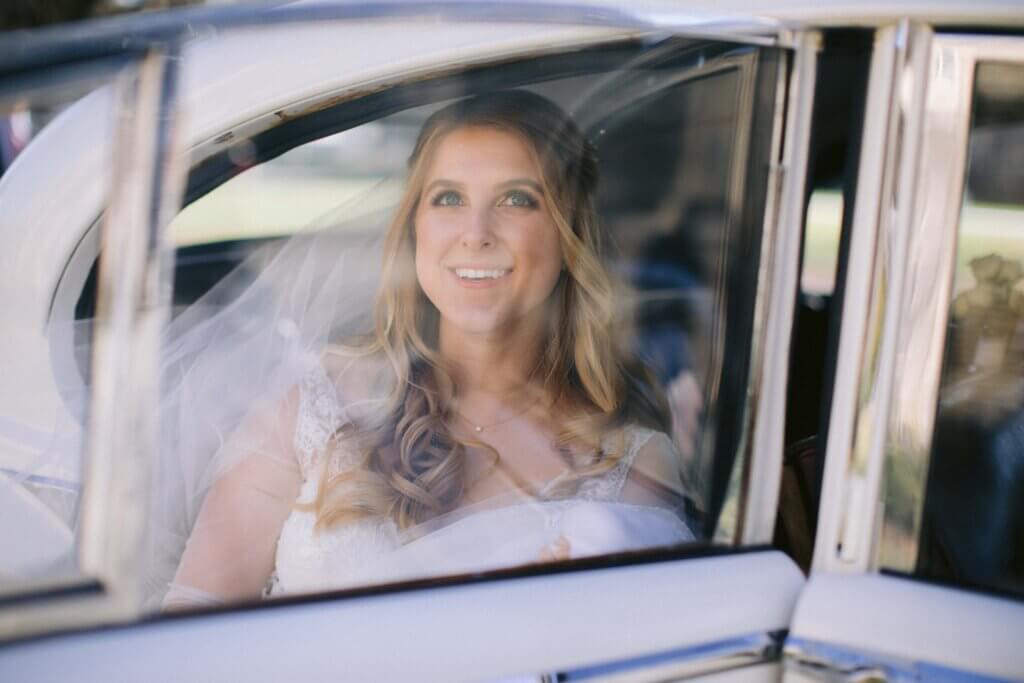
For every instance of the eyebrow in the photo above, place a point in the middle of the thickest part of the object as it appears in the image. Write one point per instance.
(529, 182)
(444, 182)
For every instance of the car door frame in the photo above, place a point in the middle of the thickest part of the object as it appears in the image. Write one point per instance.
(860, 616)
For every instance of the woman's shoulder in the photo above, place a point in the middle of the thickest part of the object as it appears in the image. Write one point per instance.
(341, 387)
(653, 467)
(357, 374)
(631, 439)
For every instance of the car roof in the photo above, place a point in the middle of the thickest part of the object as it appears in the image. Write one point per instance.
(106, 36)
(833, 13)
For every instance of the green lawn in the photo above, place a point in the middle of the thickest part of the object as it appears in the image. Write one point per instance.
(259, 205)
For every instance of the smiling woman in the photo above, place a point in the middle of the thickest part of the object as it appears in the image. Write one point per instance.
(481, 219)
(489, 418)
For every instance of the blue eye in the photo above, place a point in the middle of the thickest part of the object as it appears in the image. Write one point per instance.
(447, 198)
(520, 200)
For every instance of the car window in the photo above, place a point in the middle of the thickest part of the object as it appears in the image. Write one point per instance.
(44, 396)
(287, 447)
(290, 193)
(972, 522)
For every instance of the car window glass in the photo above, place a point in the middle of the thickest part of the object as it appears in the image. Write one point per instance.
(44, 393)
(972, 531)
(288, 194)
(537, 353)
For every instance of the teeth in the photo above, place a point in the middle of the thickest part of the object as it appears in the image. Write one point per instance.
(474, 274)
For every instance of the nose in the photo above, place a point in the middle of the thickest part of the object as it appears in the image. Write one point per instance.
(478, 233)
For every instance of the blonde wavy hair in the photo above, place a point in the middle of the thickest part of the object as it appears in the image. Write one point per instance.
(411, 463)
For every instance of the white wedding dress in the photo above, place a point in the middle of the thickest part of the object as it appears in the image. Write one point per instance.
(502, 532)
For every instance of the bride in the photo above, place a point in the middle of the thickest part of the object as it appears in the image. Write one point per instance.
(491, 418)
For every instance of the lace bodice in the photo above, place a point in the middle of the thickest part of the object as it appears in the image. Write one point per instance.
(374, 550)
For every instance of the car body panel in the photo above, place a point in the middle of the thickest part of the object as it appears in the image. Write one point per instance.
(903, 619)
(594, 616)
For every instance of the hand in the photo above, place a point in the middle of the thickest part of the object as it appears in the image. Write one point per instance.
(685, 403)
(559, 549)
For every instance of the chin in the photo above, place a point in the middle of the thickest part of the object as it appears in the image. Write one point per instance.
(474, 325)
(483, 320)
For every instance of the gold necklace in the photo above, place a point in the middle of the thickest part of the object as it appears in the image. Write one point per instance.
(478, 428)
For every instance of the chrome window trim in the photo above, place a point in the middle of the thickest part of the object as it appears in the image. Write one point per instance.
(889, 150)
(929, 261)
(133, 302)
(807, 660)
(684, 663)
(728, 525)
(778, 277)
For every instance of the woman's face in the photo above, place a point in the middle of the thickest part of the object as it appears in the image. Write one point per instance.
(487, 249)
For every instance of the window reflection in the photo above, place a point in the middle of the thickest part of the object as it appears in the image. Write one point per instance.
(44, 395)
(974, 506)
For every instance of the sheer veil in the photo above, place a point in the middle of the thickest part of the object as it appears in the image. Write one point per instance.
(232, 359)
(230, 365)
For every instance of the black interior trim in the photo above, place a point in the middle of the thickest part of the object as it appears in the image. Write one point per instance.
(54, 592)
(853, 53)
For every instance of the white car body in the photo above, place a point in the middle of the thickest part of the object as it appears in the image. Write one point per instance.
(242, 81)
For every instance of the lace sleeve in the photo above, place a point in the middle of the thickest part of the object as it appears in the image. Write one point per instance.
(608, 486)
(230, 551)
(654, 474)
(319, 414)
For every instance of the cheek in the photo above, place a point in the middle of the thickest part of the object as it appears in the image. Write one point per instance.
(544, 251)
(425, 255)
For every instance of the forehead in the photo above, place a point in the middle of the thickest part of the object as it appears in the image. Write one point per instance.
(475, 153)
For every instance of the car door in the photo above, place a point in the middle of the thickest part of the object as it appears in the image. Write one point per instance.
(252, 85)
(917, 572)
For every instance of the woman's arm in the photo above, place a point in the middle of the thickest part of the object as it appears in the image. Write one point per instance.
(655, 477)
(230, 552)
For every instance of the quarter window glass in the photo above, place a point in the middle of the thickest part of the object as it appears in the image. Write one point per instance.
(504, 320)
(973, 525)
(44, 394)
